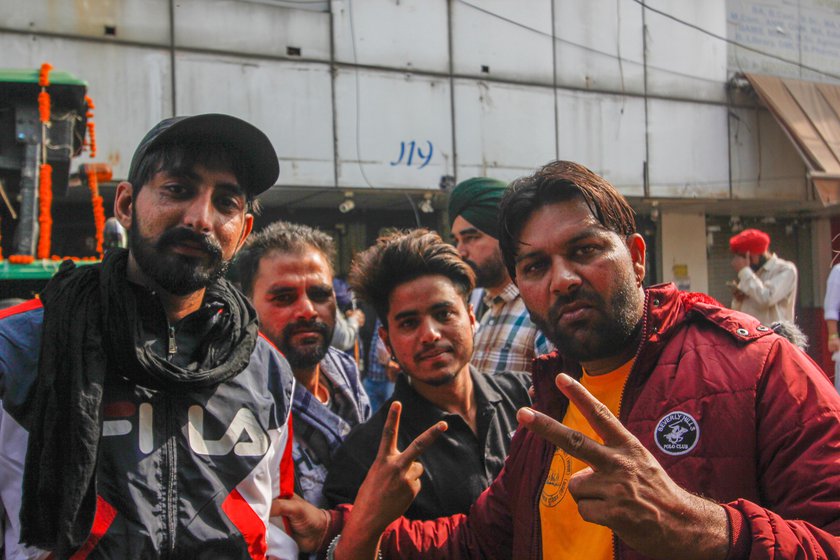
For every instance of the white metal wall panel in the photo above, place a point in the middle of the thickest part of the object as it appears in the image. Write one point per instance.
(289, 101)
(682, 61)
(130, 87)
(599, 45)
(502, 131)
(805, 33)
(688, 150)
(764, 162)
(407, 34)
(402, 125)
(605, 133)
(252, 28)
(143, 21)
(497, 38)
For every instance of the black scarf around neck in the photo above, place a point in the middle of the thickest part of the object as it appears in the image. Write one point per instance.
(90, 332)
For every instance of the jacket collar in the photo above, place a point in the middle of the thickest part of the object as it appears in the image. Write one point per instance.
(665, 310)
(422, 413)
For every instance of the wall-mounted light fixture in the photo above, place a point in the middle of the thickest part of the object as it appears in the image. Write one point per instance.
(426, 205)
(348, 204)
(654, 211)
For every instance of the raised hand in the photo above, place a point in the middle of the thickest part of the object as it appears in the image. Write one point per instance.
(740, 261)
(388, 489)
(626, 489)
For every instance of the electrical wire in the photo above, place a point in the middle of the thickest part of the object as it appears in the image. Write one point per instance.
(639, 63)
(735, 43)
(358, 95)
(587, 48)
(358, 112)
(414, 208)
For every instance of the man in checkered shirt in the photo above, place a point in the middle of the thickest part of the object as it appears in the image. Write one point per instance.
(506, 339)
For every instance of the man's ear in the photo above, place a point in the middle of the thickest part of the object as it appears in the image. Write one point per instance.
(383, 335)
(636, 246)
(123, 204)
(247, 227)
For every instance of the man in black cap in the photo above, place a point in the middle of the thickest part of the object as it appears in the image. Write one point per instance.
(506, 339)
(143, 416)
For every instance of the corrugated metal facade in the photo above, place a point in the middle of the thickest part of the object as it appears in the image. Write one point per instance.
(385, 98)
(387, 94)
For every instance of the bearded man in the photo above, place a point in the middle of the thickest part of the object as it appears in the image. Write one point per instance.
(143, 416)
(286, 270)
(506, 340)
(664, 426)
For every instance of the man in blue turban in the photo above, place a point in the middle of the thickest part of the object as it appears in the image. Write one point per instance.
(506, 339)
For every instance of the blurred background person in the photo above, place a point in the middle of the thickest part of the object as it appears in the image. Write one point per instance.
(505, 339)
(831, 307)
(766, 285)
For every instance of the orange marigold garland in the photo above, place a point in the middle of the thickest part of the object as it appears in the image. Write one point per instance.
(90, 127)
(92, 172)
(45, 181)
(44, 207)
(44, 97)
(44, 106)
(44, 74)
(45, 169)
(98, 209)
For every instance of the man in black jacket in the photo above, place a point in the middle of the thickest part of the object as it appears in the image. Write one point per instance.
(143, 416)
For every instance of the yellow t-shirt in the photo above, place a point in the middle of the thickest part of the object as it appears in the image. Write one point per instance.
(565, 535)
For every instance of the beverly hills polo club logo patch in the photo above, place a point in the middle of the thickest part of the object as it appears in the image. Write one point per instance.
(677, 433)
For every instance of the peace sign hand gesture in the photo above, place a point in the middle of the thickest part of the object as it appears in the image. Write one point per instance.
(388, 489)
(626, 489)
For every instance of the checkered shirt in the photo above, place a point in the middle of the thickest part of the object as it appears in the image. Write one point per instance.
(506, 339)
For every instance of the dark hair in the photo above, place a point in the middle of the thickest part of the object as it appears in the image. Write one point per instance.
(401, 257)
(282, 237)
(179, 156)
(559, 181)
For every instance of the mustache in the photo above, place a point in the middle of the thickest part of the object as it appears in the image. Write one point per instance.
(180, 235)
(307, 326)
(432, 350)
(581, 295)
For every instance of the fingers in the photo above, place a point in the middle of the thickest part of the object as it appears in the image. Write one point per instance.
(573, 442)
(391, 431)
(280, 507)
(415, 471)
(597, 414)
(295, 506)
(422, 442)
(287, 506)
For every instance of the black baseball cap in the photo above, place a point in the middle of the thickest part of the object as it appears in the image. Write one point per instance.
(250, 143)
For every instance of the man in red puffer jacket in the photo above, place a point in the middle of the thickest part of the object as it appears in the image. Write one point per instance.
(668, 426)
